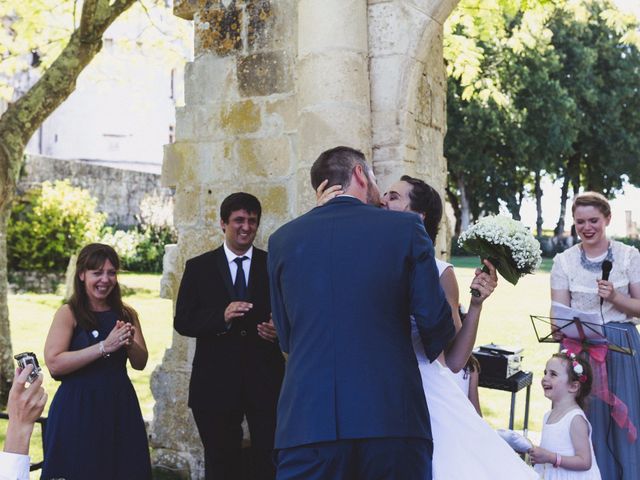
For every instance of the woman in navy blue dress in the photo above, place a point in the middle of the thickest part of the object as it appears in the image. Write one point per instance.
(95, 428)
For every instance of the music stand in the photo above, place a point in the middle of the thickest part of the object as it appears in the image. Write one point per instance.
(577, 329)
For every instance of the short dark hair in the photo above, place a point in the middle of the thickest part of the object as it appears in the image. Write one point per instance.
(336, 165)
(424, 199)
(240, 201)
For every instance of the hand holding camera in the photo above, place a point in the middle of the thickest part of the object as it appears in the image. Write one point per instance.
(24, 407)
(25, 359)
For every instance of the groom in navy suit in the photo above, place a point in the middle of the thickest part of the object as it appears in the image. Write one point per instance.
(345, 279)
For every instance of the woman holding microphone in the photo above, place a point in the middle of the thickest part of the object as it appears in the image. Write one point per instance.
(577, 281)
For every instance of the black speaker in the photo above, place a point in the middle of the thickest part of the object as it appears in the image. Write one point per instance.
(498, 361)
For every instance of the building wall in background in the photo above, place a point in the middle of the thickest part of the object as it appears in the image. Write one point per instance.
(118, 191)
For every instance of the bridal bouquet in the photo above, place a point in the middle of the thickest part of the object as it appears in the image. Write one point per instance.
(506, 243)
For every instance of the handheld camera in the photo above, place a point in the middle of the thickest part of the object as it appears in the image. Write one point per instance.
(29, 358)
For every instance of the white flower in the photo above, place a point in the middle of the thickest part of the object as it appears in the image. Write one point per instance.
(578, 368)
(510, 233)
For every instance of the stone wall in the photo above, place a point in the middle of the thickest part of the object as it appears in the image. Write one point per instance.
(273, 84)
(118, 191)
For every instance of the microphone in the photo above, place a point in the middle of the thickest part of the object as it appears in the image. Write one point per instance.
(606, 270)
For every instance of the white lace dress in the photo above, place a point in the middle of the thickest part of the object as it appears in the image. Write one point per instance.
(568, 274)
(556, 437)
(465, 446)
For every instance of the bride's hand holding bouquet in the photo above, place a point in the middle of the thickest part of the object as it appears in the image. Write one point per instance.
(484, 282)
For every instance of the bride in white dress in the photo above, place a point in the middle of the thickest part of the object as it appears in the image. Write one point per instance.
(465, 446)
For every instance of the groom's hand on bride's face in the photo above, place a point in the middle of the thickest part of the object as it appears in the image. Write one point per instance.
(235, 310)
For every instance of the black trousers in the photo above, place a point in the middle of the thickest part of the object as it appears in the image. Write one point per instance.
(221, 436)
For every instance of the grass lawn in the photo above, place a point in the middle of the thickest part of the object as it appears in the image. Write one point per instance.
(505, 320)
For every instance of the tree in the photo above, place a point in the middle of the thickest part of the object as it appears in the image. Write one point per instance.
(488, 146)
(475, 136)
(600, 72)
(558, 81)
(519, 125)
(472, 31)
(546, 130)
(64, 37)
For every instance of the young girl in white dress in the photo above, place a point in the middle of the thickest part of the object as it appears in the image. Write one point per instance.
(566, 451)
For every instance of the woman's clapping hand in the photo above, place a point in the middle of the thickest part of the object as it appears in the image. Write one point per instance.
(121, 335)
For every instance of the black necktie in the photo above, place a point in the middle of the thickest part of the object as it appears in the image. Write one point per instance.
(240, 285)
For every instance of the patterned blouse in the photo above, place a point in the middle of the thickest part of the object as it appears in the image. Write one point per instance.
(568, 273)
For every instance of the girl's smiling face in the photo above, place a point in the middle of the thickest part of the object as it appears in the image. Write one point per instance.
(556, 383)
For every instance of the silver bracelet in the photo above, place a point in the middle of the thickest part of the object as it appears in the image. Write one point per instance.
(103, 352)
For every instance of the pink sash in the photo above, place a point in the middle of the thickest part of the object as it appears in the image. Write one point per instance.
(597, 359)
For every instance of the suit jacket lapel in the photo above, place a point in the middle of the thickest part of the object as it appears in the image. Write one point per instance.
(253, 272)
(223, 267)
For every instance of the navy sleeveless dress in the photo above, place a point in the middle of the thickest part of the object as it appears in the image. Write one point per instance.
(95, 428)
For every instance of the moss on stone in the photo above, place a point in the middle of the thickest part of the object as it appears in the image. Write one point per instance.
(223, 32)
(241, 117)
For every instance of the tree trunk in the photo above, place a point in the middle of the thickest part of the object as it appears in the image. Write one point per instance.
(453, 201)
(23, 117)
(465, 209)
(564, 193)
(6, 360)
(538, 194)
(575, 184)
(513, 205)
(571, 173)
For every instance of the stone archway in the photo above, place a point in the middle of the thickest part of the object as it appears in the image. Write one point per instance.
(273, 84)
(408, 92)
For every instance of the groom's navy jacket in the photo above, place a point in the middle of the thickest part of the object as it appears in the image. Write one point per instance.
(345, 278)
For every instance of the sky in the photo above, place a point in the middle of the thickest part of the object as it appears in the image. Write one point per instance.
(628, 200)
(629, 5)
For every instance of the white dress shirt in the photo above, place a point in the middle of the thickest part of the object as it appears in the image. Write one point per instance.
(233, 266)
(14, 466)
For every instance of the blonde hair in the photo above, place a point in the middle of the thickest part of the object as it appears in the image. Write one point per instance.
(591, 199)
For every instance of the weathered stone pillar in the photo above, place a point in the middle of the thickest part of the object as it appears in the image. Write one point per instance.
(408, 92)
(332, 84)
(235, 133)
(273, 84)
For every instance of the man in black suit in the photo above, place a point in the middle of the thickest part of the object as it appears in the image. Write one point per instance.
(238, 367)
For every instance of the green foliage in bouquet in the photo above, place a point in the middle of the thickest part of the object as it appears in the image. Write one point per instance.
(49, 224)
(506, 243)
